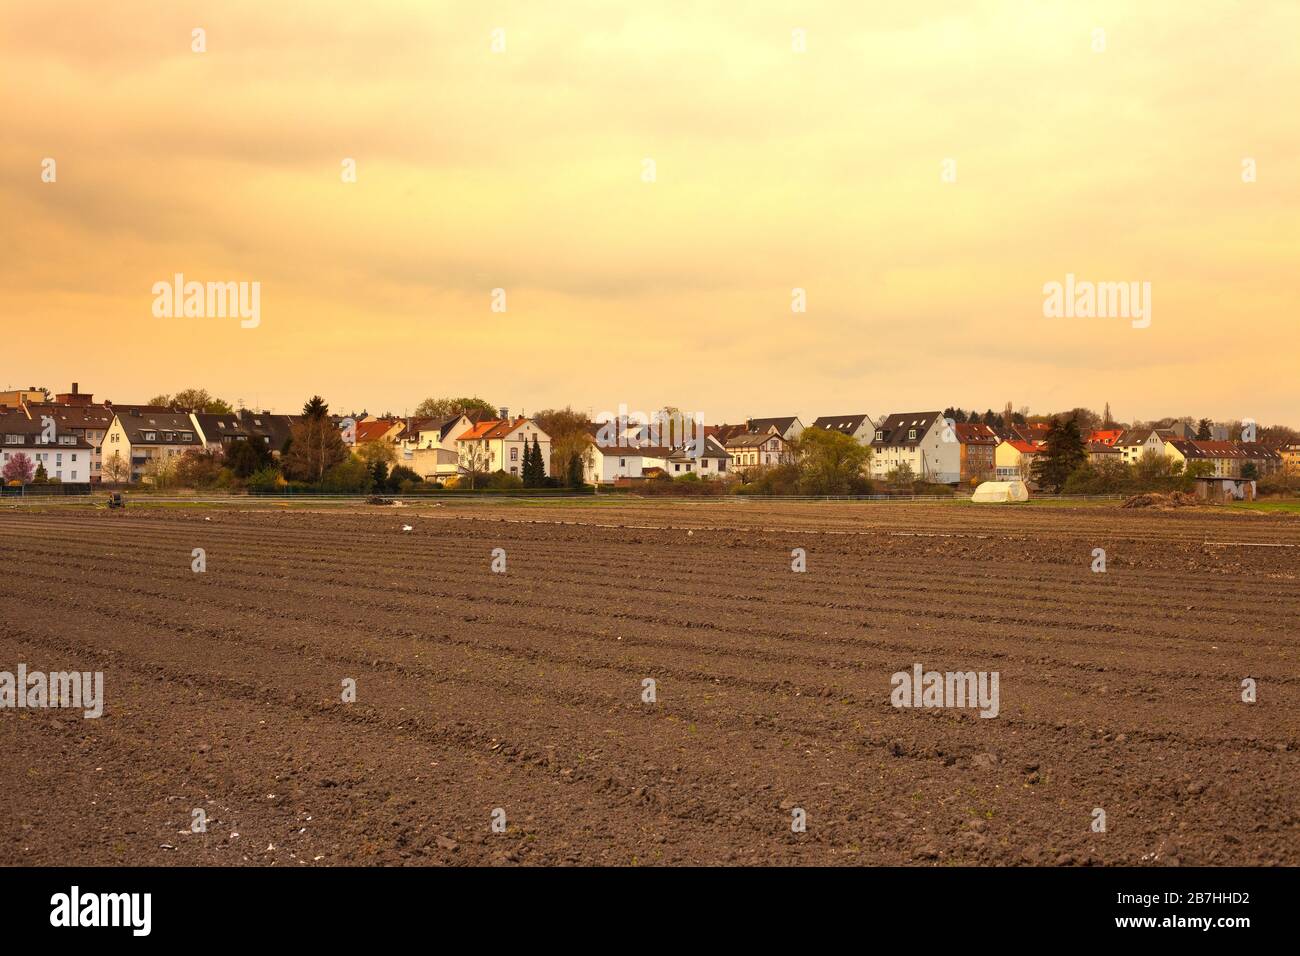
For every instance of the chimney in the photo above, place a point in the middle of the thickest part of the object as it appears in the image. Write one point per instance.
(74, 388)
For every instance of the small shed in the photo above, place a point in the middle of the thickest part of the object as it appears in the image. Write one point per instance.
(1001, 491)
(1225, 489)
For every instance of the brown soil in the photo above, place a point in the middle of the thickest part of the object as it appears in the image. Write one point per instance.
(523, 691)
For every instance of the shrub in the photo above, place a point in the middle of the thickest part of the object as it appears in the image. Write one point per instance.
(351, 476)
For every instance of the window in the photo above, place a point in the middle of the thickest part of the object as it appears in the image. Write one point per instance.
(514, 454)
(911, 434)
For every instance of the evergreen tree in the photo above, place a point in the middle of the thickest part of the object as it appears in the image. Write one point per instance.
(575, 471)
(539, 465)
(1064, 454)
(1203, 429)
(379, 472)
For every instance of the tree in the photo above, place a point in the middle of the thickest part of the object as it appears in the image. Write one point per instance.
(18, 468)
(379, 473)
(1106, 420)
(348, 477)
(1203, 429)
(534, 467)
(444, 408)
(901, 476)
(161, 472)
(195, 400)
(399, 476)
(475, 459)
(830, 462)
(575, 472)
(1249, 471)
(317, 444)
(568, 431)
(1064, 453)
(42, 476)
(115, 468)
(244, 457)
(197, 469)
(373, 452)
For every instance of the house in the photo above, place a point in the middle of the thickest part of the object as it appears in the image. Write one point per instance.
(788, 427)
(65, 455)
(499, 445)
(977, 447)
(143, 437)
(19, 397)
(724, 432)
(1105, 436)
(1014, 459)
(428, 447)
(83, 419)
(859, 427)
(609, 464)
(921, 441)
(1137, 442)
(758, 450)
(1290, 455)
(377, 429)
(711, 462)
(1227, 458)
(218, 432)
(273, 431)
(1103, 451)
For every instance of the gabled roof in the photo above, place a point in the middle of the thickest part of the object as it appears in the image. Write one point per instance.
(753, 439)
(972, 433)
(167, 428)
(782, 424)
(1026, 447)
(893, 431)
(493, 428)
(219, 427)
(72, 416)
(1106, 436)
(373, 431)
(848, 424)
(711, 449)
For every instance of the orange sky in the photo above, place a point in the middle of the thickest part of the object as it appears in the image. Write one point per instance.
(522, 170)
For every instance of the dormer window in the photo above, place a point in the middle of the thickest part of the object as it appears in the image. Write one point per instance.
(150, 436)
(911, 434)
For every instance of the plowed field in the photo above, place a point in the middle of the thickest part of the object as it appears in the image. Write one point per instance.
(523, 691)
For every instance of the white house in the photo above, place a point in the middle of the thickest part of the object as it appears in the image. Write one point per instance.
(604, 465)
(499, 445)
(923, 441)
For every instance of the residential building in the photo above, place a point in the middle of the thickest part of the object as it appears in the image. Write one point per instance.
(607, 464)
(85, 420)
(428, 447)
(1228, 458)
(499, 445)
(758, 450)
(1137, 442)
(1015, 459)
(145, 437)
(923, 441)
(710, 462)
(13, 398)
(859, 427)
(788, 427)
(978, 446)
(65, 455)
(1290, 455)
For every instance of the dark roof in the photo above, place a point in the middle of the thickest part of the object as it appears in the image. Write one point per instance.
(273, 429)
(218, 427)
(15, 422)
(782, 424)
(72, 416)
(848, 424)
(168, 428)
(711, 449)
(892, 432)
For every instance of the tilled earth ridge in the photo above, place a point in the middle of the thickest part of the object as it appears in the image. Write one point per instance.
(523, 691)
